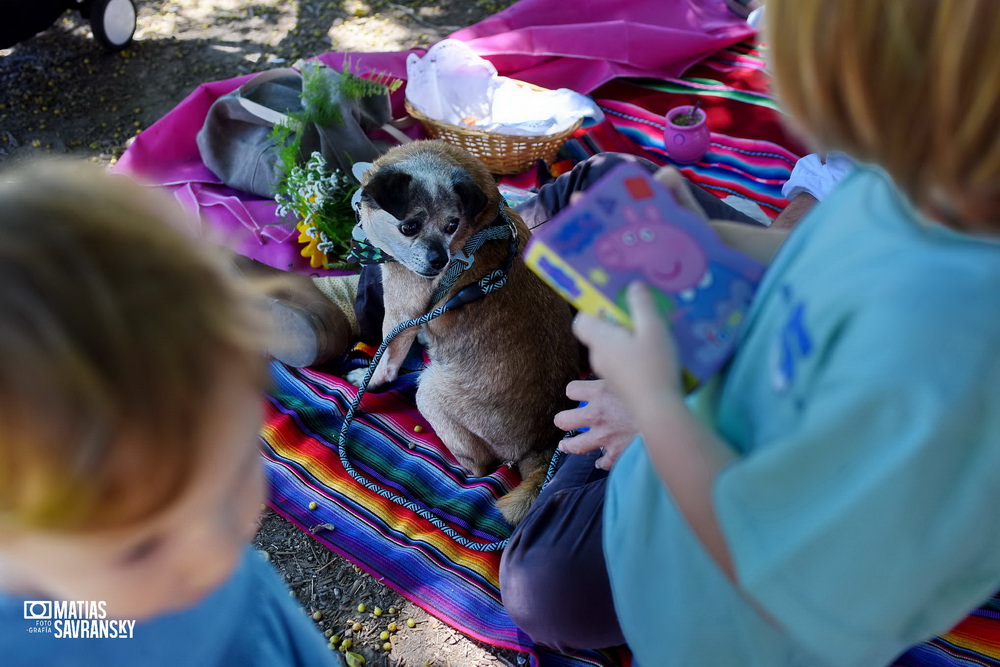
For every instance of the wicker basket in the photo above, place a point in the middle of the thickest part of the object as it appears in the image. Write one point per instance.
(503, 154)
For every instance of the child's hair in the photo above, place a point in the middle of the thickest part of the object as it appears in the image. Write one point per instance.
(912, 85)
(114, 327)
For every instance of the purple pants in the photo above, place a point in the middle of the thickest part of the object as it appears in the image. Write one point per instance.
(553, 579)
(555, 195)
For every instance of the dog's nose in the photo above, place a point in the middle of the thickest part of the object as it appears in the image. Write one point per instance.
(437, 259)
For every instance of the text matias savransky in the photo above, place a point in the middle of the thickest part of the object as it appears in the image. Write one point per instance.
(76, 619)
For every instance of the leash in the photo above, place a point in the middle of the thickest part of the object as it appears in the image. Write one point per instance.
(465, 258)
(488, 284)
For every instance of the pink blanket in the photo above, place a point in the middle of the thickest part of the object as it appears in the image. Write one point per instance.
(580, 45)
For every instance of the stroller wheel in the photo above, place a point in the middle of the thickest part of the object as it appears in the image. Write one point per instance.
(112, 22)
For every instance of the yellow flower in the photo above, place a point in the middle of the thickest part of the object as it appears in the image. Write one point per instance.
(310, 236)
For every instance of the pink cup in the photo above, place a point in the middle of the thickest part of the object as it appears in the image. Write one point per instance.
(685, 143)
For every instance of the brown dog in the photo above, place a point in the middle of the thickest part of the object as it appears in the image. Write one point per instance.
(499, 364)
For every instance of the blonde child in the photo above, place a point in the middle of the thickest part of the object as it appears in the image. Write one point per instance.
(830, 499)
(130, 402)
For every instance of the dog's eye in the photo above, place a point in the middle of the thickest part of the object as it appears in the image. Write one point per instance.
(452, 226)
(409, 227)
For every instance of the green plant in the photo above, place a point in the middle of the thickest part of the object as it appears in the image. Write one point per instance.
(319, 196)
(321, 199)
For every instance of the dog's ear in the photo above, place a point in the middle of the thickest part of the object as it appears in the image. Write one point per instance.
(389, 190)
(359, 169)
(470, 196)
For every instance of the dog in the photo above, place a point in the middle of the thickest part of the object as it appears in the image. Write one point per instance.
(499, 363)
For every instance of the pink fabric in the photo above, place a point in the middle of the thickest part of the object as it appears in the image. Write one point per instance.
(576, 44)
(166, 155)
(581, 44)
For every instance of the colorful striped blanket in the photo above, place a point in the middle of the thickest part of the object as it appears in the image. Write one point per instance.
(401, 508)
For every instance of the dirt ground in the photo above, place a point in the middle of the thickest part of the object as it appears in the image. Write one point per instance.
(61, 94)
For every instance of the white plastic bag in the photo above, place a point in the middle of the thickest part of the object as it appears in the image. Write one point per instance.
(450, 83)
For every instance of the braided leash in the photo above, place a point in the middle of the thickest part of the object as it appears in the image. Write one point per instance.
(463, 260)
(417, 509)
(490, 283)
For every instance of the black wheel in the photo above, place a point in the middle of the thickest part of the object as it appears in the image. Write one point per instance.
(112, 22)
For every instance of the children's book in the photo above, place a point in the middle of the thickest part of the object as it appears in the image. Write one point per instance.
(628, 227)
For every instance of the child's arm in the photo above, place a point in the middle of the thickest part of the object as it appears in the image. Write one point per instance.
(647, 379)
(758, 243)
(801, 204)
(687, 458)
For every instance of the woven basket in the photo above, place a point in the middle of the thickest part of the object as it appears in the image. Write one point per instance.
(503, 154)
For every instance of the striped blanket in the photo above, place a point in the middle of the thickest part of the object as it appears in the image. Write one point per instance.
(397, 504)
(750, 155)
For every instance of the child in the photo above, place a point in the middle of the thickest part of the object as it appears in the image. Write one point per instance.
(130, 480)
(830, 498)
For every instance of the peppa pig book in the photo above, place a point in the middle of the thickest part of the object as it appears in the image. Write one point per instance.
(628, 227)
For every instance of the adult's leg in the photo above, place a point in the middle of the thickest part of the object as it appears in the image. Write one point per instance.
(311, 322)
(555, 195)
(553, 578)
(369, 308)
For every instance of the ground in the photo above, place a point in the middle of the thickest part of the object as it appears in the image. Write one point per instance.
(61, 94)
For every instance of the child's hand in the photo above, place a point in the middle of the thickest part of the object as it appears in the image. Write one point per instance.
(611, 427)
(639, 364)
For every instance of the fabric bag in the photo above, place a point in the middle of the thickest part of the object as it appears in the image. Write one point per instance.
(235, 141)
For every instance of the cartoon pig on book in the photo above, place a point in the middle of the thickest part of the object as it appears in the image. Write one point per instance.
(628, 227)
(673, 261)
(668, 257)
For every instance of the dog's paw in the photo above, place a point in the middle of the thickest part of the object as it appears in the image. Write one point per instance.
(357, 376)
(384, 374)
(381, 376)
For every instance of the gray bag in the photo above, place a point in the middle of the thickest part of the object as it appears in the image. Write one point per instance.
(235, 141)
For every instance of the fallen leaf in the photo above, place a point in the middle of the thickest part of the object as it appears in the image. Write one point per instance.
(322, 526)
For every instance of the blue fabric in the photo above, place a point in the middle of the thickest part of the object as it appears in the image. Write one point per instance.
(249, 620)
(863, 400)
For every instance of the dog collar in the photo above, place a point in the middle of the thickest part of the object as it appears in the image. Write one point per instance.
(461, 261)
(362, 250)
(365, 252)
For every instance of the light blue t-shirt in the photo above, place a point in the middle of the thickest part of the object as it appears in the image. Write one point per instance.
(864, 400)
(249, 621)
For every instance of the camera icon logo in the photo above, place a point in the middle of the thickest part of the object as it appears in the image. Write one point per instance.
(38, 610)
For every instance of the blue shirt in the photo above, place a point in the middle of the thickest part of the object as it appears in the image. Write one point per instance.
(864, 402)
(249, 620)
